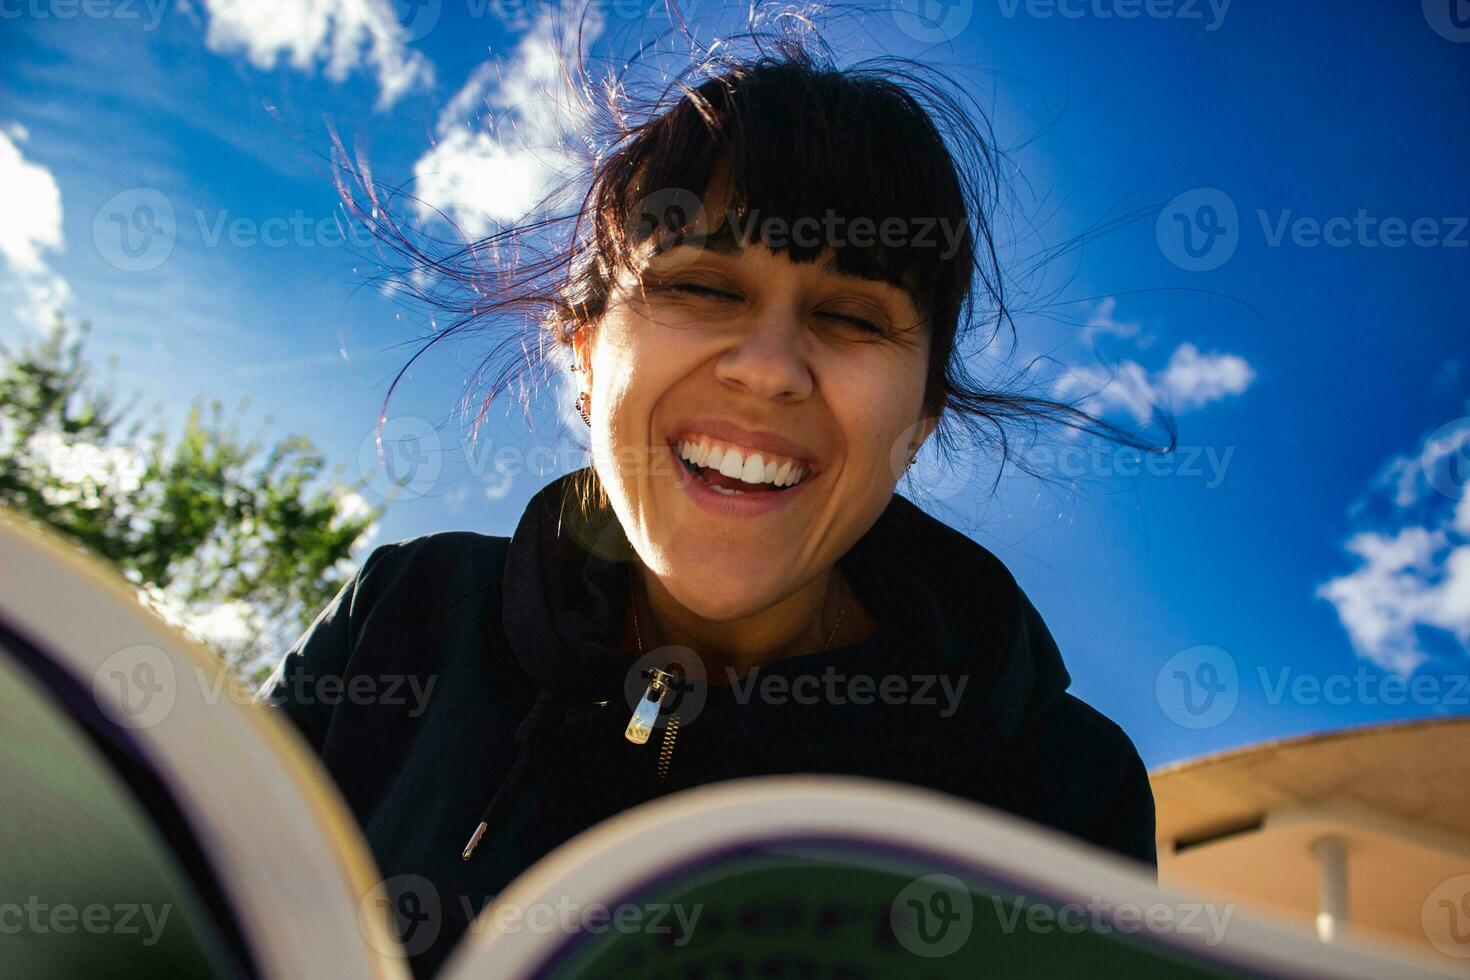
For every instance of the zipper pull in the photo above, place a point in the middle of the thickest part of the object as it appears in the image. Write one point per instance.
(645, 716)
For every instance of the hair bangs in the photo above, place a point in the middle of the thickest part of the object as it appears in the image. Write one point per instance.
(805, 162)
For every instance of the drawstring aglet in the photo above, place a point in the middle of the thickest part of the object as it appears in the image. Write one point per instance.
(474, 841)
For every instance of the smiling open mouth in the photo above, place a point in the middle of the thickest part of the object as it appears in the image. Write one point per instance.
(731, 472)
(730, 485)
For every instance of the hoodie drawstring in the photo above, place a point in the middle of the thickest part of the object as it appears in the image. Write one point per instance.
(525, 732)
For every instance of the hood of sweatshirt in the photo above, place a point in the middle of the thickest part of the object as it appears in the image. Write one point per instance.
(960, 663)
(960, 654)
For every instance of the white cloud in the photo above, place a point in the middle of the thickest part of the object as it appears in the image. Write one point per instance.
(351, 506)
(1100, 391)
(30, 202)
(83, 471)
(1413, 574)
(1442, 461)
(1102, 321)
(502, 142)
(227, 626)
(342, 35)
(1193, 379)
(346, 567)
(1190, 380)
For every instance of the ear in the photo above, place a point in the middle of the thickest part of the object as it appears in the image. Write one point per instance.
(927, 425)
(582, 348)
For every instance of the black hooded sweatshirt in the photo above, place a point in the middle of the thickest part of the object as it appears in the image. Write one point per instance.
(463, 676)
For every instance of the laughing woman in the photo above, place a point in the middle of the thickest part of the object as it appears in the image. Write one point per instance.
(762, 307)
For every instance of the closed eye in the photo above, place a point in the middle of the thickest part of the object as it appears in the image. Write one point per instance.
(724, 295)
(698, 290)
(867, 326)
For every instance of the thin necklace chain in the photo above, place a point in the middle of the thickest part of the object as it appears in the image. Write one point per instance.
(638, 633)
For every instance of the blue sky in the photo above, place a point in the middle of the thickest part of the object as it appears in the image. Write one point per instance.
(1297, 293)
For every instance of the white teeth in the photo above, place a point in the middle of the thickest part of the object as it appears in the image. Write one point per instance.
(732, 465)
(729, 461)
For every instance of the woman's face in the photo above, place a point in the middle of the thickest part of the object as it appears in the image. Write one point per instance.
(746, 350)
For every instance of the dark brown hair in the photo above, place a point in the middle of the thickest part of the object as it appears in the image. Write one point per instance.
(798, 137)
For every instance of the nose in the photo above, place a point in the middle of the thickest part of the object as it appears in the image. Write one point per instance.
(769, 359)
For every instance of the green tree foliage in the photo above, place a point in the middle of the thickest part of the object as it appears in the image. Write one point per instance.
(240, 544)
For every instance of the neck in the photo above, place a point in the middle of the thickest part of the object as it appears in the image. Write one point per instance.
(729, 649)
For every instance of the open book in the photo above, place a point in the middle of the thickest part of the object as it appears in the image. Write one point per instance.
(156, 823)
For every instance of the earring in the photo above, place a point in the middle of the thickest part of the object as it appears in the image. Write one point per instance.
(912, 460)
(584, 404)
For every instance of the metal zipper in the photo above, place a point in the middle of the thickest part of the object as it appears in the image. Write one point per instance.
(666, 751)
(645, 717)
